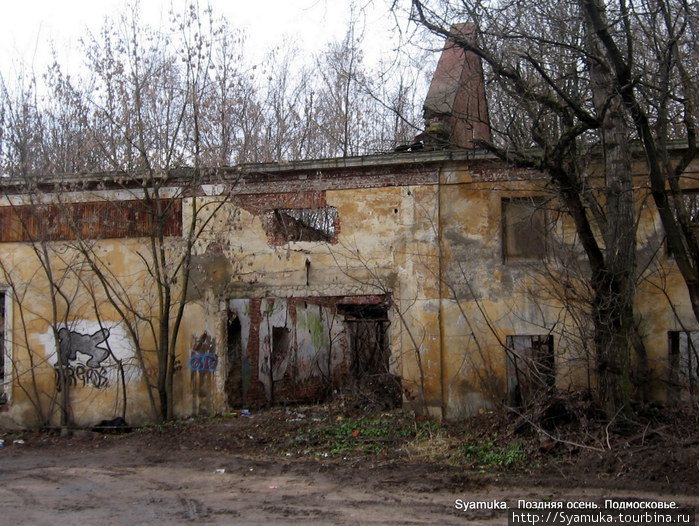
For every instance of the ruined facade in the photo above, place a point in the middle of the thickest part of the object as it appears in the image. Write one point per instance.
(436, 267)
(443, 279)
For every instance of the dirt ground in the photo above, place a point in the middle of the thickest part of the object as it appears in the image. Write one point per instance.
(315, 466)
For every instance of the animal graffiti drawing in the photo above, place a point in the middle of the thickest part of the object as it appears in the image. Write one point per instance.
(70, 343)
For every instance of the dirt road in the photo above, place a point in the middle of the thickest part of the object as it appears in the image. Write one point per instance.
(312, 466)
(122, 483)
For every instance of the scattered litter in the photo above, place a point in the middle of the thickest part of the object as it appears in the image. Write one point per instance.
(221, 471)
(18, 442)
(245, 412)
(340, 418)
(252, 469)
(2, 443)
(289, 455)
(355, 433)
(274, 487)
(317, 419)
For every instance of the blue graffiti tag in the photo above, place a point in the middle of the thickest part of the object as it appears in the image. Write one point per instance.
(203, 362)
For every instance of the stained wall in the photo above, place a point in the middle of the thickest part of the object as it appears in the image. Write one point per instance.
(420, 234)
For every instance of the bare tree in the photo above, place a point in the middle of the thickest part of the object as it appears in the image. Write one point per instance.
(543, 62)
(649, 50)
(141, 113)
(149, 115)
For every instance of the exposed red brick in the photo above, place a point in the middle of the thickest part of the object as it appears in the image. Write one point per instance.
(266, 202)
(91, 220)
(266, 205)
(328, 301)
(289, 388)
(456, 97)
(277, 235)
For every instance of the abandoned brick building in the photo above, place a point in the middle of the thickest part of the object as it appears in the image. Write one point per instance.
(311, 277)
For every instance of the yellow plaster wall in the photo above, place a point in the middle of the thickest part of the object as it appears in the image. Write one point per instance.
(436, 249)
(80, 303)
(387, 245)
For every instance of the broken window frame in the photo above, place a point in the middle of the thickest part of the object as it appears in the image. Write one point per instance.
(306, 224)
(367, 329)
(6, 347)
(536, 234)
(531, 368)
(683, 363)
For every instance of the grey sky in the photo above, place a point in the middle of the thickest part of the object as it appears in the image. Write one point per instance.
(29, 28)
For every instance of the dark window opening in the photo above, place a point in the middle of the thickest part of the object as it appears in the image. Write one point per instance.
(4, 389)
(235, 392)
(281, 343)
(281, 347)
(683, 362)
(530, 368)
(306, 224)
(523, 229)
(369, 366)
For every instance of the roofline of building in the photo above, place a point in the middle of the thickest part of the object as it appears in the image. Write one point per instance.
(374, 160)
(272, 170)
(176, 176)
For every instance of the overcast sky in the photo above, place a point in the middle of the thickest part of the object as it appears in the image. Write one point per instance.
(29, 27)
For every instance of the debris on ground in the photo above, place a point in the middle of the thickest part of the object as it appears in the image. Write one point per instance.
(562, 443)
(114, 426)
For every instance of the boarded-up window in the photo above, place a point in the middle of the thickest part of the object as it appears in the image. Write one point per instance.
(92, 220)
(530, 367)
(523, 229)
(683, 362)
(305, 224)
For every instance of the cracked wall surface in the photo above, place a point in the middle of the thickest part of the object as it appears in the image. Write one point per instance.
(422, 237)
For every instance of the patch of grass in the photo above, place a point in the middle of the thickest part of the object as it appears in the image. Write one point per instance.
(419, 438)
(487, 454)
(426, 429)
(433, 447)
(366, 435)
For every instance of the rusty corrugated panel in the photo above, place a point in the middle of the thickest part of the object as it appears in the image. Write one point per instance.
(92, 220)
